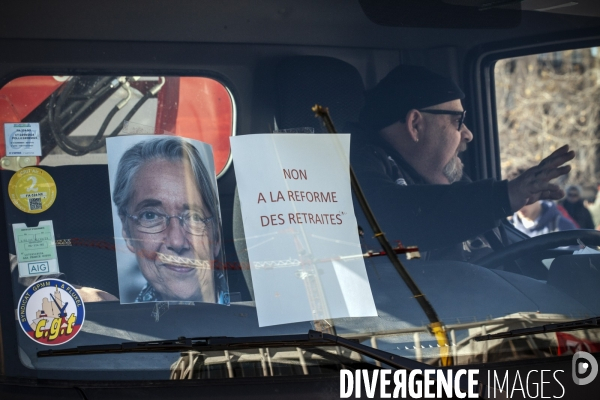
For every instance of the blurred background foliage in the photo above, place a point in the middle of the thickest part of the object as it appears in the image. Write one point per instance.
(545, 101)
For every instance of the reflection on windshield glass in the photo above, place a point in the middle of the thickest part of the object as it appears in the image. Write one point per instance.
(122, 202)
(263, 362)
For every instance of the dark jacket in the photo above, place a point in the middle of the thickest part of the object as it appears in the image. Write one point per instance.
(579, 213)
(549, 220)
(417, 213)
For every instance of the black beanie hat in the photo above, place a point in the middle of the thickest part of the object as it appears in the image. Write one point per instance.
(405, 88)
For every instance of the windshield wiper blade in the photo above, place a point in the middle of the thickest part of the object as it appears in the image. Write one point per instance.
(313, 338)
(180, 344)
(436, 326)
(588, 323)
(388, 358)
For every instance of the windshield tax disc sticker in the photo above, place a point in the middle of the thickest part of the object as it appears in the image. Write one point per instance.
(32, 190)
(51, 312)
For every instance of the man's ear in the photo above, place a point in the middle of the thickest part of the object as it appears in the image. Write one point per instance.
(414, 124)
(125, 233)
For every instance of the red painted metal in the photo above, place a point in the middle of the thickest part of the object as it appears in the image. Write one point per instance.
(192, 107)
(21, 96)
(205, 112)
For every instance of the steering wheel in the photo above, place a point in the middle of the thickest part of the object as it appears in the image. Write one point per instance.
(589, 237)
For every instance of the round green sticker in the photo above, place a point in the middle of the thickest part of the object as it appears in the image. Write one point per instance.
(32, 190)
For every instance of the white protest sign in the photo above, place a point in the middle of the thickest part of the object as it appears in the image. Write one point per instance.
(301, 232)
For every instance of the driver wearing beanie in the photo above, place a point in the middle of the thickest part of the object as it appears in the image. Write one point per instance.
(405, 153)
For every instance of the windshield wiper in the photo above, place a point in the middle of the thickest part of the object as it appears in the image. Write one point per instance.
(313, 338)
(436, 327)
(588, 323)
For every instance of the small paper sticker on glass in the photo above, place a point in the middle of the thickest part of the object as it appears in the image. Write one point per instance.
(32, 190)
(22, 139)
(36, 249)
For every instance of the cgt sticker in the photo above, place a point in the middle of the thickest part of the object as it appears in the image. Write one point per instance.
(51, 312)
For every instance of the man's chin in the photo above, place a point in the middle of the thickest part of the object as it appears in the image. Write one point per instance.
(453, 171)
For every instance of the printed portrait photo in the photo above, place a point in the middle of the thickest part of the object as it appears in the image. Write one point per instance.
(167, 220)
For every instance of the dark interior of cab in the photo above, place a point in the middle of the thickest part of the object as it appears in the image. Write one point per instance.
(278, 58)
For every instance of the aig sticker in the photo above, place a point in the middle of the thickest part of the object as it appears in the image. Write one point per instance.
(36, 249)
(38, 268)
(51, 312)
(32, 190)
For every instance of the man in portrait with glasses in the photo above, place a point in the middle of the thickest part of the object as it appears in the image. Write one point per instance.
(405, 153)
(168, 207)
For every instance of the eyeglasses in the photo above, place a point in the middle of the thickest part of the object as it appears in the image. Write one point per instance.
(572, 194)
(148, 221)
(449, 112)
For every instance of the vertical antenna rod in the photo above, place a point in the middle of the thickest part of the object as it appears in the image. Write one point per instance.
(436, 326)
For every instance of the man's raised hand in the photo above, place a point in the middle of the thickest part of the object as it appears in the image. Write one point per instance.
(534, 184)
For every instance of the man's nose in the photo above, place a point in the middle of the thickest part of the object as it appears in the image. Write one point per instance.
(466, 134)
(176, 239)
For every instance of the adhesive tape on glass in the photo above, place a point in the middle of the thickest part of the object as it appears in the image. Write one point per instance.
(32, 190)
